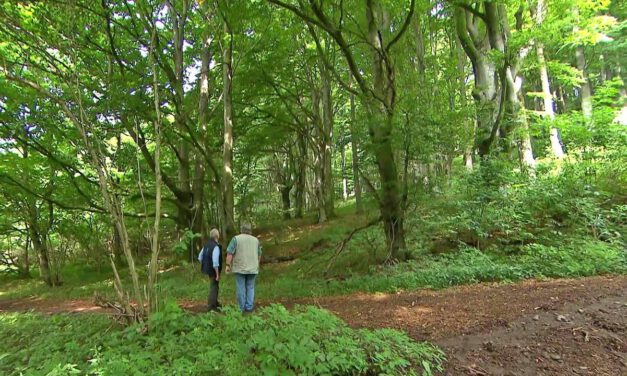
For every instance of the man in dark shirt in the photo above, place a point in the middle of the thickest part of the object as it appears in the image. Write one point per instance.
(210, 258)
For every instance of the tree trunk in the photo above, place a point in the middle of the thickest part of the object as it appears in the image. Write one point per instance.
(517, 118)
(486, 91)
(116, 245)
(547, 96)
(514, 108)
(344, 177)
(561, 101)
(24, 270)
(623, 88)
(420, 47)
(381, 113)
(301, 176)
(479, 51)
(355, 152)
(527, 151)
(485, 96)
(606, 74)
(198, 187)
(39, 235)
(319, 156)
(227, 178)
(327, 134)
(586, 89)
(40, 248)
(114, 207)
(390, 199)
(198, 194)
(285, 199)
(556, 145)
(179, 21)
(151, 297)
(463, 101)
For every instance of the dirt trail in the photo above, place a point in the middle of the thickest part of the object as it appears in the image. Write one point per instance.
(556, 327)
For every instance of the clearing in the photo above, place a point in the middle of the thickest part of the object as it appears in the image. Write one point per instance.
(552, 327)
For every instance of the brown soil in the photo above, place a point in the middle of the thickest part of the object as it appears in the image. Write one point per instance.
(50, 306)
(555, 327)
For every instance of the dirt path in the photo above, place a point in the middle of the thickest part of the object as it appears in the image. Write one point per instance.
(556, 327)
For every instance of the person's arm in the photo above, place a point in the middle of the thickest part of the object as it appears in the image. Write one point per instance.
(230, 251)
(229, 262)
(200, 254)
(215, 258)
(259, 252)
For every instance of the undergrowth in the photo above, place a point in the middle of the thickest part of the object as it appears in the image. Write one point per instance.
(307, 341)
(468, 266)
(488, 226)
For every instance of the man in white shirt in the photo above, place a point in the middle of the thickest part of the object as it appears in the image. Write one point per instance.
(243, 257)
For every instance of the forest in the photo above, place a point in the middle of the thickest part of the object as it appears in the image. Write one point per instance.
(437, 187)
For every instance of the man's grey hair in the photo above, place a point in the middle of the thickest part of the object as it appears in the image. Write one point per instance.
(214, 233)
(246, 228)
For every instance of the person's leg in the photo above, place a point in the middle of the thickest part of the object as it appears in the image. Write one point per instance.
(218, 305)
(213, 294)
(209, 295)
(250, 291)
(240, 285)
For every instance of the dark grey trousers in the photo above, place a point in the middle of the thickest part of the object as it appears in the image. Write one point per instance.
(214, 289)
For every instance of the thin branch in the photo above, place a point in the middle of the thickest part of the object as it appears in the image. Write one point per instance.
(370, 185)
(403, 29)
(466, 41)
(299, 13)
(327, 63)
(470, 9)
(340, 247)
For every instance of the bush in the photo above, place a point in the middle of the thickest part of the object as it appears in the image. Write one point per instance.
(308, 341)
(576, 258)
(584, 259)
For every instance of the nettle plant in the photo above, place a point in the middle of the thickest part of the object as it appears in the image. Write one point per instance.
(307, 341)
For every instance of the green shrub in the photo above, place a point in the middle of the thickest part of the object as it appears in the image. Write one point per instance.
(308, 341)
(582, 259)
(576, 258)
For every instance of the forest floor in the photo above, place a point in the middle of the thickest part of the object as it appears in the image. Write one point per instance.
(551, 327)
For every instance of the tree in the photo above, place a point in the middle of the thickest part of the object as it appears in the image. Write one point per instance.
(483, 29)
(378, 98)
(538, 12)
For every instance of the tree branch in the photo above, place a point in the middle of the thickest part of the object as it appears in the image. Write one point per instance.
(461, 24)
(403, 29)
(327, 63)
(298, 12)
(342, 244)
(470, 9)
